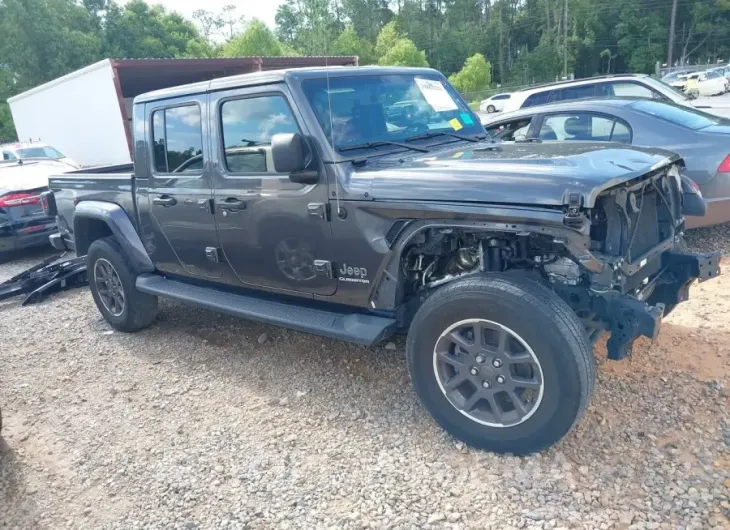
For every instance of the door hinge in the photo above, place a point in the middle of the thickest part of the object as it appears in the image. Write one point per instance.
(318, 209)
(206, 204)
(213, 254)
(323, 268)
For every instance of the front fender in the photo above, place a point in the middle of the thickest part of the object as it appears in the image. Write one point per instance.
(120, 226)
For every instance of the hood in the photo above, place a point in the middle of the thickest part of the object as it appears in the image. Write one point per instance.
(28, 176)
(510, 173)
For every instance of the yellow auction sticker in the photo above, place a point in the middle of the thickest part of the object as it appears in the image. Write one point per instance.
(456, 124)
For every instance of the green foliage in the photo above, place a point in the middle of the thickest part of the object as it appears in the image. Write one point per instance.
(475, 75)
(403, 53)
(256, 39)
(348, 43)
(140, 31)
(387, 38)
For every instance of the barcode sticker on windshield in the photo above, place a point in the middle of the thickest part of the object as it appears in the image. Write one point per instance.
(436, 94)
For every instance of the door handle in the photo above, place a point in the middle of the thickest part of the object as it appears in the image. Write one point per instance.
(165, 200)
(231, 203)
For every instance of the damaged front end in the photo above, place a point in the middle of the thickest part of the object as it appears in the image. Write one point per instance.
(634, 268)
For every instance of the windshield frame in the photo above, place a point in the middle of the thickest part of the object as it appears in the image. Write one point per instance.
(332, 153)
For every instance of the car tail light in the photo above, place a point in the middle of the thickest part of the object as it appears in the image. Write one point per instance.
(18, 199)
(725, 166)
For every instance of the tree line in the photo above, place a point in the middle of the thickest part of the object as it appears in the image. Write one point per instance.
(480, 44)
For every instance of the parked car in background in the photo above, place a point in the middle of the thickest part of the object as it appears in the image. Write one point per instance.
(701, 139)
(622, 85)
(677, 79)
(22, 221)
(35, 150)
(711, 83)
(494, 104)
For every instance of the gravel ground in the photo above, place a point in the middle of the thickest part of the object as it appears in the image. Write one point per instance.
(204, 421)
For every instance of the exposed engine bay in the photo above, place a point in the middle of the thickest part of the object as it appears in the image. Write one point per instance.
(630, 267)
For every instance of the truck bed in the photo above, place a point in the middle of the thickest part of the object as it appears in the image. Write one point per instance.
(104, 183)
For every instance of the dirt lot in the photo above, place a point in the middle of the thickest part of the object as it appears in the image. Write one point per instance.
(203, 421)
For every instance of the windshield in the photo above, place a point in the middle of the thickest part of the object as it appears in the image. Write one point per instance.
(39, 152)
(387, 108)
(681, 115)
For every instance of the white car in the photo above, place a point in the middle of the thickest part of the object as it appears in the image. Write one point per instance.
(34, 150)
(494, 104)
(711, 83)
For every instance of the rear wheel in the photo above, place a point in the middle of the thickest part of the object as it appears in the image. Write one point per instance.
(112, 281)
(501, 363)
(490, 109)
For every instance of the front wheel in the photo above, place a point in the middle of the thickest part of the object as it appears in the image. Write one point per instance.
(501, 363)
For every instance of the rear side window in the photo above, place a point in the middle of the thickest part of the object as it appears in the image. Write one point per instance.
(248, 125)
(574, 92)
(584, 126)
(177, 140)
(500, 97)
(537, 99)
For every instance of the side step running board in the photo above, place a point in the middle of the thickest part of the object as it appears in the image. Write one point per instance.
(355, 327)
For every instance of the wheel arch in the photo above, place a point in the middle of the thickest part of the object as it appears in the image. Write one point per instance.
(93, 220)
(388, 294)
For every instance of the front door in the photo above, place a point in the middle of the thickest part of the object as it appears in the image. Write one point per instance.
(180, 191)
(273, 232)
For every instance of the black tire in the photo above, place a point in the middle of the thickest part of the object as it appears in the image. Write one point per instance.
(138, 310)
(491, 109)
(544, 322)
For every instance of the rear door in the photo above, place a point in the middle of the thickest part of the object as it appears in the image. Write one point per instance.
(180, 191)
(274, 233)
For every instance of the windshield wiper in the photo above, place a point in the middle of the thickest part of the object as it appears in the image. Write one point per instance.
(442, 133)
(382, 142)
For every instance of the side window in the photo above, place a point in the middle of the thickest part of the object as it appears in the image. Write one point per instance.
(579, 126)
(9, 156)
(621, 133)
(574, 92)
(248, 125)
(177, 139)
(501, 97)
(537, 99)
(632, 90)
(510, 131)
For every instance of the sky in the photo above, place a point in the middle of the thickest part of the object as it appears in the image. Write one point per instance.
(264, 10)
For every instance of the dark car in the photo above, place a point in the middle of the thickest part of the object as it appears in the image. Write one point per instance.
(502, 262)
(23, 223)
(701, 139)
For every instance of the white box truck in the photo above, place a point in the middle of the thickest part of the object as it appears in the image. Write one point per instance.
(87, 114)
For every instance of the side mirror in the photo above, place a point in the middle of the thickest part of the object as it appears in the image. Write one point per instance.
(287, 150)
(288, 153)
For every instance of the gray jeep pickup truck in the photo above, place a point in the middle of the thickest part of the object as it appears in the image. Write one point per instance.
(356, 203)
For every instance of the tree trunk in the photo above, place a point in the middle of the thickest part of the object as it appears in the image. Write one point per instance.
(565, 41)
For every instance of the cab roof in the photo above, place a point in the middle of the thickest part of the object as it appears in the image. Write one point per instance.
(276, 76)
